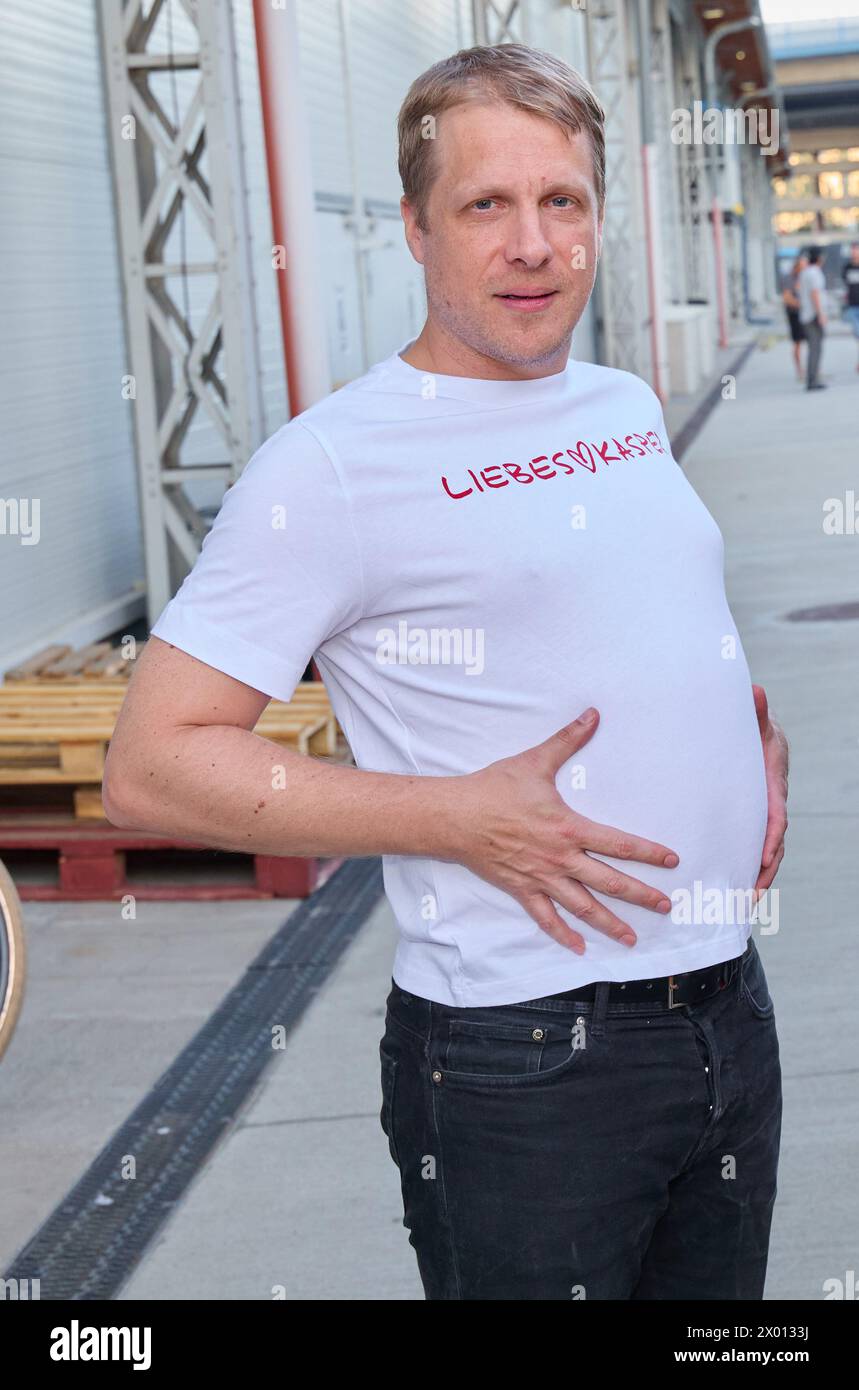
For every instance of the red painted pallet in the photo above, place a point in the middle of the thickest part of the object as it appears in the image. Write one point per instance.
(91, 865)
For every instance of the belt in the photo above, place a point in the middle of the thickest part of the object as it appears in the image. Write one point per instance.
(673, 991)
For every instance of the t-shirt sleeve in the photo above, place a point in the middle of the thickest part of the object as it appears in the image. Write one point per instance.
(279, 572)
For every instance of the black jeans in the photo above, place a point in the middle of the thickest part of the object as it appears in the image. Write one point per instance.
(556, 1149)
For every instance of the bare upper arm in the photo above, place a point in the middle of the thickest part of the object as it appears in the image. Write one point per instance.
(170, 690)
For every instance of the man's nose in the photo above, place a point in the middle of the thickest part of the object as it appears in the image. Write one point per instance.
(526, 240)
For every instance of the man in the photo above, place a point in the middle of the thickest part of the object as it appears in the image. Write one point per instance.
(483, 538)
(851, 282)
(812, 284)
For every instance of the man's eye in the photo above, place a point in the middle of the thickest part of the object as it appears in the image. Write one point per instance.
(481, 203)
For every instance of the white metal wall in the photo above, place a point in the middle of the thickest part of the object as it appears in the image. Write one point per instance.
(66, 430)
(359, 60)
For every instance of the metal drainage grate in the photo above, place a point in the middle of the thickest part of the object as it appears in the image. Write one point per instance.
(92, 1241)
(825, 613)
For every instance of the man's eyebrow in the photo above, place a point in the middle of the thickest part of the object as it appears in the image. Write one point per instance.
(554, 187)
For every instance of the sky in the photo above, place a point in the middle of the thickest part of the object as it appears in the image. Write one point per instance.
(779, 11)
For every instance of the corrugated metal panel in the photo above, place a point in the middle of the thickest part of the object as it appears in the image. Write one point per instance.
(67, 431)
(327, 107)
(359, 59)
(390, 44)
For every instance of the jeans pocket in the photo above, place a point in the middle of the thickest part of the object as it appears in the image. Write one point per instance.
(495, 1053)
(753, 985)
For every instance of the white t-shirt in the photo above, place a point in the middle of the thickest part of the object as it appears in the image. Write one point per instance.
(472, 563)
(811, 278)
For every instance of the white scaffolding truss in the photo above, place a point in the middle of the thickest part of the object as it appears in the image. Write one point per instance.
(493, 23)
(183, 364)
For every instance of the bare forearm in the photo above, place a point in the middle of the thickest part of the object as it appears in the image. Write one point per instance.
(227, 787)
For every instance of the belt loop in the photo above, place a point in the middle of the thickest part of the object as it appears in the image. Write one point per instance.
(601, 995)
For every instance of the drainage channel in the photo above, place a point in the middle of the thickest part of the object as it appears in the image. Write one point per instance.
(92, 1241)
(687, 434)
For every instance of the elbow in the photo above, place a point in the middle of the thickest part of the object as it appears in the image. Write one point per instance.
(116, 810)
(120, 803)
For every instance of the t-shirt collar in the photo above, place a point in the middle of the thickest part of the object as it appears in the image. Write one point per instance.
(395, 374)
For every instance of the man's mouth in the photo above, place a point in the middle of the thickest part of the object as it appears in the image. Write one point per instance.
(532, 299)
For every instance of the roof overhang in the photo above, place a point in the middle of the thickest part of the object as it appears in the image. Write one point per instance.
(744, 62)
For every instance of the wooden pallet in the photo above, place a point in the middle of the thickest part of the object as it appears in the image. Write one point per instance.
(57, 730)
(91, 860)
(98, 661)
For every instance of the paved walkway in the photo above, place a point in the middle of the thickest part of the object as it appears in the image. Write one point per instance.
(765, 464)
(302, 1192)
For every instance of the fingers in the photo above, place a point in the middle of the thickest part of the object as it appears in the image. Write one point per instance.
(555, 751)
(761, 709)
(768, 873)
(576, 899)
(594, 874)
(776, 827)
(761, 704)
(604, 839)
(545, 914)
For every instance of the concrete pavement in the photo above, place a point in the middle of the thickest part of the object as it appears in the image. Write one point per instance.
(765, 464)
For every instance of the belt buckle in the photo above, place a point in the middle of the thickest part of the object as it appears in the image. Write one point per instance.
(672, 986)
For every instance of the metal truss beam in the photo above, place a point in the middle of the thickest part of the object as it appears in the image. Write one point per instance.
(494, 22)
(173, 167)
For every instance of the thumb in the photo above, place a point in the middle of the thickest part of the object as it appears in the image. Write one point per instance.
(555, 751)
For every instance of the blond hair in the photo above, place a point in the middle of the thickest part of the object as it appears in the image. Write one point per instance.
(525, 77)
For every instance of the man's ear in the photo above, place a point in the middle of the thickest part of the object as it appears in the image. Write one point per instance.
(414, 236)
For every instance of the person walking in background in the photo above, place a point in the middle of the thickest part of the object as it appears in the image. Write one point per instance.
(851, 280)
(811, 285)
(790, 295)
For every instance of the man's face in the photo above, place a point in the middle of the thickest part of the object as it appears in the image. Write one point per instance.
(513, 209)
(854, 253)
